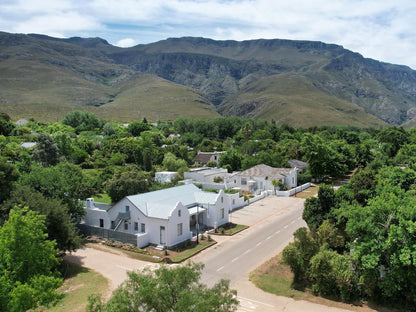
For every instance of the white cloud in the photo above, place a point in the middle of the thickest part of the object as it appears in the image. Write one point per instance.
(126, 43)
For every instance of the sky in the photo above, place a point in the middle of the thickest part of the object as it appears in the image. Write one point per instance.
(384, 30)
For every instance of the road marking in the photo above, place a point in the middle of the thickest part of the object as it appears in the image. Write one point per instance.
(235, 259)
(219, 269)
(299, 218)
(285, 227)
(259, 302)
(277, 232)
(293, 222)
(246, 252)
(258, 244)
(268, 237)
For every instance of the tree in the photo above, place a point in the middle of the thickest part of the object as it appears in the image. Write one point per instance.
(8, 175)
(172, 163)
(59, 224)
(28, 276)
(127, 183)
(136, 128)
(46, 151)
(6, 126)
(317, 209)
(83, 121)
(169, 289)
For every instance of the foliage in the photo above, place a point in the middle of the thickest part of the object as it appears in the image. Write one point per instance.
(136, 127)
(27, 263)
(8, 175)
(128, 183)
(317, 209)
(83, 121)
(46, 152)
(60, 226)
(168, 289)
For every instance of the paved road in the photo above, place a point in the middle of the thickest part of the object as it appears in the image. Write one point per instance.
(237, 256)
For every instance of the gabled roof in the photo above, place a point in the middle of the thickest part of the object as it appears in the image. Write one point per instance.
(298, 164)
(204, 157)
(161, 203)
(266, 172)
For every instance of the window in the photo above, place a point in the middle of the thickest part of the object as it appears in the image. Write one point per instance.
(235, 181)
(179, 229)
(233, 201)
(113, 225)
(243, 181)
(126, 226)
(136, 226)
(293, 180)
(101, 223)
(222, 213)
(222, 199)
(142, 227)
(179, 213)
(127, 208)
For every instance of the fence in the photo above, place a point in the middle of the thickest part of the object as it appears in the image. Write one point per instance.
(108, 234)
(294, 190)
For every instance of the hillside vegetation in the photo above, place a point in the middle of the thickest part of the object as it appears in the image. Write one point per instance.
(297, 82)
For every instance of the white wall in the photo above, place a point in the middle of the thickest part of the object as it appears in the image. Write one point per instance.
(214, 215)
(92, 217)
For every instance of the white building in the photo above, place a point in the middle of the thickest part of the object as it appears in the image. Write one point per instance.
(165, 217)
(165, 176)
(260, 177)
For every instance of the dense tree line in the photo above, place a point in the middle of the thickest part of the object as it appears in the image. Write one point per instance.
(83, 156)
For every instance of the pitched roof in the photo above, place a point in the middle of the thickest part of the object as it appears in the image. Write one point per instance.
(204, 157)
(161, 203)
(265, 171)
(298, 164)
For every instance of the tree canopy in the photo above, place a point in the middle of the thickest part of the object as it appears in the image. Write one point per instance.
(27, 262)
(168, 289)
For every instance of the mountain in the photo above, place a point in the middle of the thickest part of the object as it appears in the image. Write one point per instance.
(301, 83)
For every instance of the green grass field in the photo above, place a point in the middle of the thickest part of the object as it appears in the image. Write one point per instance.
(78, 286)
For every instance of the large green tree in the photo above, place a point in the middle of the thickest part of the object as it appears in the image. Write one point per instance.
(128, 183)
(60, 226)
(167, 290)
(8, 175)
(28, 263)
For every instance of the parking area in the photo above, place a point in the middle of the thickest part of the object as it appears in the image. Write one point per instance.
(271, 206)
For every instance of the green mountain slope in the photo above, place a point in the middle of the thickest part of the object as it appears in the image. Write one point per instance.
(298, 82)
(292, 99)
(46, 78)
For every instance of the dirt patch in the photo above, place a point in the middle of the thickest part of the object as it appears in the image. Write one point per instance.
(72, 288)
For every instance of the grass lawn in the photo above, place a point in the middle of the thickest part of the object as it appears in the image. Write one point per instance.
(309, 192)
(77, 287)
(193, 249)
(102, 198)
(275, 278)
(230, 229)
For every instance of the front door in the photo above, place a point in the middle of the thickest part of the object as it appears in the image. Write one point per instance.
(162, 235)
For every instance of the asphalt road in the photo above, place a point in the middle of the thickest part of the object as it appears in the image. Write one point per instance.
(234, 258)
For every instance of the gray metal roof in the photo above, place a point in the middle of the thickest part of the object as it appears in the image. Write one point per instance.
(161, 203)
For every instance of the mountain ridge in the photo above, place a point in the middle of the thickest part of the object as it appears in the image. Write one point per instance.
(223, 75)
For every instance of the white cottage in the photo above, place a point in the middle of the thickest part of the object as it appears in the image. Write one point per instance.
(166, 217)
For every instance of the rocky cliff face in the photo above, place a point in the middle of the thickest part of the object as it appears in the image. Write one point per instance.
(221, 69)
(229, 74)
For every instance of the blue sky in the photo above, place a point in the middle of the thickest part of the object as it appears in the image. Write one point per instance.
(382, 30)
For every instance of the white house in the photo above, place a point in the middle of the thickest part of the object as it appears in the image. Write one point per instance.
(165, 176)
(166, 217)
(260, 177)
